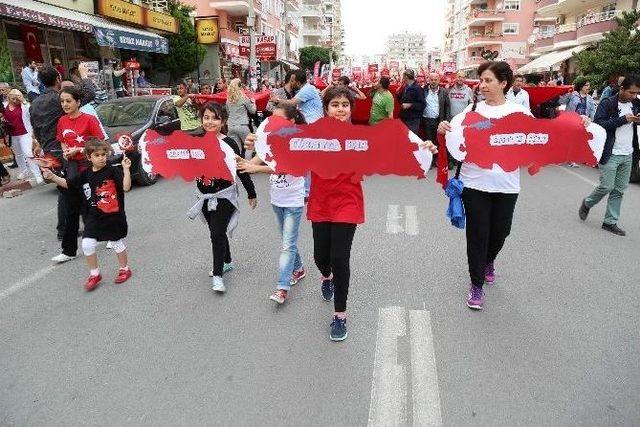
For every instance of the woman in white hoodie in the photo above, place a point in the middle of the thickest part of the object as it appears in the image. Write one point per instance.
(16, 114)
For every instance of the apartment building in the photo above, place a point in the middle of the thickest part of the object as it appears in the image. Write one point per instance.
(409, 49)
(321, 22)
(565, 27)
(273, 18)
(482, 28)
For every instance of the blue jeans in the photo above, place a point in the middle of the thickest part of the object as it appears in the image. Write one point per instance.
(290, 261)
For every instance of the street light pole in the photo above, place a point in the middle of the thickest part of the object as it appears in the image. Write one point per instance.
(251, 23)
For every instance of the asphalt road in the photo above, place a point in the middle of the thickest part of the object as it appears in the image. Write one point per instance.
(557, 343)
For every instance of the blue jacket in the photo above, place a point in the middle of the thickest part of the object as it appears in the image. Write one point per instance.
(574, 101)
(414, 95)
(608, 116)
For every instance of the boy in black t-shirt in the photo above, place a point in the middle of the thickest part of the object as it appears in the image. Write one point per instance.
(103, 185)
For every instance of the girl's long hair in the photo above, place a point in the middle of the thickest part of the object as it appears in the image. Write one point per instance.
(234, 92)
(19, 94)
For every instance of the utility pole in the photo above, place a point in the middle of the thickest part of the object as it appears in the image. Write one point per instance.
(251, 23)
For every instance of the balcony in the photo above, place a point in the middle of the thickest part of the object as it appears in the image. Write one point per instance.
(476, 40)
(295, 4)
(482, 16)
(565, 36)
(311, 11)
(229, 36)
(235, 7)
(591, 27)
(547, 7)
(474, 61)
(312, 31)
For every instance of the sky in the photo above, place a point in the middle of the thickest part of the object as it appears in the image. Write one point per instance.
(367, 23)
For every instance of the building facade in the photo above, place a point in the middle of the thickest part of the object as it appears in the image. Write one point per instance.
(409, 49)
(479, 29)
(321, 23)
(277, 18)
(563, 28)
(75, 31)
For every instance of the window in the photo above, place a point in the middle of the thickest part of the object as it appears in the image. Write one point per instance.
(512, 5)
(510, 28)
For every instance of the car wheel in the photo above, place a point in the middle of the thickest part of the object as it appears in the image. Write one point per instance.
(143, 178)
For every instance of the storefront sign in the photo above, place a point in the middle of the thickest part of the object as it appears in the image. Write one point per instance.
(43, 18)
(161, 21)
(266, 48)
(207, 30)
(133, 41)
(122, 10)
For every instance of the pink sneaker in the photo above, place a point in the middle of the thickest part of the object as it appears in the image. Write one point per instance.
(489, 274)
(297, 276)
(475, 299)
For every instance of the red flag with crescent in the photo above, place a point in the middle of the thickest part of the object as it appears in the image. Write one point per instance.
(31, 43)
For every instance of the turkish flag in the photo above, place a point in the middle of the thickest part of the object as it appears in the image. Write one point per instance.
(31, 43)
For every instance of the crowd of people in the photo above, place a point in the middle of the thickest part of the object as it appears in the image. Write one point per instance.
(56, 126)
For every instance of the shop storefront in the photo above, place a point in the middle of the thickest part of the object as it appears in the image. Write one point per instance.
(45, 33)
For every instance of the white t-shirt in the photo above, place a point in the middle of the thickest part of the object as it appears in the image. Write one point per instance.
(494, 180)
(522, 97)
(624, 134)
(287, 191)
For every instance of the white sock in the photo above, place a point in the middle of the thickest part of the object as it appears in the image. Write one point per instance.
(94, 272)
(126, 267)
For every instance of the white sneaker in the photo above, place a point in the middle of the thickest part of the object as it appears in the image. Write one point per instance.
(109, 245)
(218, 284)
(60, 258)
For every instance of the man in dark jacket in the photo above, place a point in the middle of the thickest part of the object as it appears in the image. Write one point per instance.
(619, 115)
(411, 99)
(45, 112)
(437, 108)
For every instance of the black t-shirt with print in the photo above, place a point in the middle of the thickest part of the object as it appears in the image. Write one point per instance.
(106, 218)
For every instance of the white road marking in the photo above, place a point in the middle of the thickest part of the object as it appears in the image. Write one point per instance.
(424, 373)
(411, 220)
(393, 223)
(29, 280)
(577, 175)
(389, 385)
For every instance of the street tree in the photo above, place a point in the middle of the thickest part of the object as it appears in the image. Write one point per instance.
(617, 54)
(311, 54)
(185, 54)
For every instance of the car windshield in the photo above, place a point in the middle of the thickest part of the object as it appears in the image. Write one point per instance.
(125, 113)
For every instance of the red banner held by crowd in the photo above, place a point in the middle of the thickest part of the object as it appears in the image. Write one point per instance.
(330, 147)
(519, 140)
(186, 156)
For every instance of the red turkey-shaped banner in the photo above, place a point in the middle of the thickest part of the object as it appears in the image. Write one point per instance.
(330, 147)
(187, 156)
(519, 140)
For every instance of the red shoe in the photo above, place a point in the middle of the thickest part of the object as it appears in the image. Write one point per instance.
(92, 282)
(123, 276)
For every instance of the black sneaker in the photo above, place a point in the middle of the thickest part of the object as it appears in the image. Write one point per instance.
(338, 329)
(613, 228)
(583, 211)
(327, 288)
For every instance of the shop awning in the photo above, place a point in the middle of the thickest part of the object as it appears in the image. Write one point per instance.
(550, 60)
(107, 33)
(289, 64)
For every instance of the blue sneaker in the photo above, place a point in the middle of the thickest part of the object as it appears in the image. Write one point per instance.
(338, 329)
(327, 288)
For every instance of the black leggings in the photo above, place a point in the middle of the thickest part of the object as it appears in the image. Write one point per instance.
(218, 221)
(489, 217)
(73, 206)
(331, 252)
